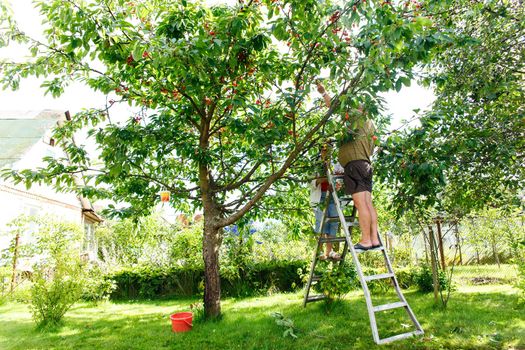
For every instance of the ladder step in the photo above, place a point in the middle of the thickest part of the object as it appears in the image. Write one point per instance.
(349, 220)
(400, 336)
(378, 277)
(389, 306)
(336, 219)
(314, 298)
(315, 278)
(331, 239)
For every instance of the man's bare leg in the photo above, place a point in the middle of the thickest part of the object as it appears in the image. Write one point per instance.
(365, 218)
(373, 223)
(328, 247)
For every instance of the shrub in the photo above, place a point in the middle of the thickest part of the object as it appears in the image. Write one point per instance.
(4, 284)
(198, 312)
(58, 277)
(520, 262)
(336, 279)
(380, 285)
(52, 297)
(406, 277)
(95, 287)
(424, 282)
(130, 242)
(186, 247)
(152, 282)
(149, 282)
(401, 256)
(521, 280)
(372, 261)
(264, 278)
(22, 293)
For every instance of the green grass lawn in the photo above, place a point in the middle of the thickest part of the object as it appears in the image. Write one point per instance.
(478, 317)
(480, 274)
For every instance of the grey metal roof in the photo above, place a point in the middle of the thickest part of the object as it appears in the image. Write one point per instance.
(17, 135)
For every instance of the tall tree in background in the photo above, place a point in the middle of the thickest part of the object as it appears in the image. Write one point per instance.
(469, 151)
(224, 93)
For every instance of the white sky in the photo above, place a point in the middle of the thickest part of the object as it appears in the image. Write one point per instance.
(31, 97)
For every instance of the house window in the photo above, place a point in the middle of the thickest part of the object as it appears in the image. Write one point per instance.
(90, 245)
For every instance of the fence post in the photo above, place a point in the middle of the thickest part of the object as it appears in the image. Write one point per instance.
(15, 260)
(440, 243)
(458, 242)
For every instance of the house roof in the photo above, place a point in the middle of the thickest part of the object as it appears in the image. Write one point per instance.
(18, 133)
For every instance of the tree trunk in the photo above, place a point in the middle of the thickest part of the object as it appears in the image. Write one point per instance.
(458, 242)
(495, 252)
(211, 242)
(15, 261)
(434, 263)
(212, 282)
(440, 244)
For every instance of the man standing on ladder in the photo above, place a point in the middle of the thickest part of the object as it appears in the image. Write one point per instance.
(356, 155)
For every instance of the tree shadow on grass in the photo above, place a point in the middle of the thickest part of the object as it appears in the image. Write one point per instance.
(472, 321)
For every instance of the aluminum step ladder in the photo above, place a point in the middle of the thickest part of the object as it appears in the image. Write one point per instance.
(347, 224)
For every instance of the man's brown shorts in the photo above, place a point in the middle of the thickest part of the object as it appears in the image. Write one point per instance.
(358, 176)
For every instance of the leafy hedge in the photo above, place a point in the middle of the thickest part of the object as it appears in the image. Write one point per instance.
(153, 282)
(148, 282)
(254, 279)
(415, 276)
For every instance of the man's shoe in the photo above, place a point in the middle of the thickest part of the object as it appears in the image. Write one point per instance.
(359, 248)
(376, 247)
(334, 255)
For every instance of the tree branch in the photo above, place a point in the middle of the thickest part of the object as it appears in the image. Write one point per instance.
(291, 158)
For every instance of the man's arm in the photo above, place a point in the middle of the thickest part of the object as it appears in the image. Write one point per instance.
(326, 97)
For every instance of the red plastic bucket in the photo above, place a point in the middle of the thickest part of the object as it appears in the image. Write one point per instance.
(181, 321)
